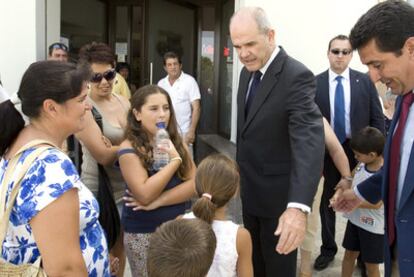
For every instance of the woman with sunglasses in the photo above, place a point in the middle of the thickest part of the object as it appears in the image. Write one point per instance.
(101, 146)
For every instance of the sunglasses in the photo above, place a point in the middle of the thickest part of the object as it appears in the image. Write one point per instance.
(108, 75)
(344, 52)
(59, 46)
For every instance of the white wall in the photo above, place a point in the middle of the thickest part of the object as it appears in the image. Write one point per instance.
(52, 23)
(23, 31)
(304, 29)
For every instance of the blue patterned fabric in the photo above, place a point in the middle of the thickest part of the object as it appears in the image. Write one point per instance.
(48, 178)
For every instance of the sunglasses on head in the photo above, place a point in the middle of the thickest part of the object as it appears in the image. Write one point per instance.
(109, 75)
(344, 52)
(59, 46)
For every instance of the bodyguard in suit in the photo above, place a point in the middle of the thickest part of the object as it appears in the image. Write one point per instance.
(384, 38)
(279, 143)
(349, 101)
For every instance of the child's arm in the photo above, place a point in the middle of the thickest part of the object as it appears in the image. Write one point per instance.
(145, 189)
(244, 249)
(367, 205)
(178, 194)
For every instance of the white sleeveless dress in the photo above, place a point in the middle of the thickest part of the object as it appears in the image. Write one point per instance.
(225, 257)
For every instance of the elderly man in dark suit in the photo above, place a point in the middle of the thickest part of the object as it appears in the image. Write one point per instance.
(280, 143)
(349, 101)
(384, 38)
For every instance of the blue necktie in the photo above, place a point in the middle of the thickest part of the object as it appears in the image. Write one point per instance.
(339, 112)
(253, 88)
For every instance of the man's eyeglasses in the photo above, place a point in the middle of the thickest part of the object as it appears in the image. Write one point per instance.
(344, 52)
(108, 75)
(58, 46)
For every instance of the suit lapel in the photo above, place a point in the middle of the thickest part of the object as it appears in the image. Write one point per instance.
(353, 81)
(387, 150)
(241, 96)
(265, 87)
(325, 103)
(408, 185)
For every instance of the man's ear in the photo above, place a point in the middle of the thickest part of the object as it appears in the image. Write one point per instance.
(409, 43)
(373, 154)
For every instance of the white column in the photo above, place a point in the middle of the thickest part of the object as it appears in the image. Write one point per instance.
(23, 31)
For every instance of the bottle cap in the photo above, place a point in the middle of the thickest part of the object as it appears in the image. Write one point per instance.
(160, 125)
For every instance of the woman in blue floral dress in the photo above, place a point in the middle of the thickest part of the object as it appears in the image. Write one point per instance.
(54, 215)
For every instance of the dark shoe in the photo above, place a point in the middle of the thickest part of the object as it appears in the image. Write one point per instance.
(322, 262)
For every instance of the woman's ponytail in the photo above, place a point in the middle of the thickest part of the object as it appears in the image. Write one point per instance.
(11, 124)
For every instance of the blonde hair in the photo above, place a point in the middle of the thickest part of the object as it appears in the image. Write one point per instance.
(217, 176)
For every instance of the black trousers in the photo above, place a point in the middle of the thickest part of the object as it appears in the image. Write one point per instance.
(328, 218)
(266, 261)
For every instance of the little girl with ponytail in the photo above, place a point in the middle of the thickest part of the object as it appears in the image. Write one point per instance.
(217, 181)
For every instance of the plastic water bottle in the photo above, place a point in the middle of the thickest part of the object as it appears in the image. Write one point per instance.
(161, 158)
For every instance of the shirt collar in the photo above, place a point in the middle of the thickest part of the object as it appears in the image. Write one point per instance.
(333, 75)
(270, 60)
(178, 79)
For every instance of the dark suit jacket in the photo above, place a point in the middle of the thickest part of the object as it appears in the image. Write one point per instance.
(365, 105)
(280, 144)
(375, 189)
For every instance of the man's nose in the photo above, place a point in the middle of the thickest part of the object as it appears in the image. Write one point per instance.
(243, 53)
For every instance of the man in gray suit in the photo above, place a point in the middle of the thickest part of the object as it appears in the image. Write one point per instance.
(280, 143)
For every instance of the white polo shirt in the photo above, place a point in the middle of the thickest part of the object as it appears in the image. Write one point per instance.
(184, 91)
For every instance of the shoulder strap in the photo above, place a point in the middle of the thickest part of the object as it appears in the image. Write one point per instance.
(5, 208)
(98, 118)
(118, 97)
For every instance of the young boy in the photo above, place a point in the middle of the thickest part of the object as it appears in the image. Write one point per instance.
(365, 228)
(181, 247)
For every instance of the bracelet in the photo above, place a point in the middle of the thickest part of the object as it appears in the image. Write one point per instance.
(347, 178)
(177, 159)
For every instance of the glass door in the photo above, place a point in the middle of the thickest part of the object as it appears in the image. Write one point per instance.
(126, 32)
(171, 26)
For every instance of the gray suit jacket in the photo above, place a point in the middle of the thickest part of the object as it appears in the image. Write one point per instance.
(280, 145)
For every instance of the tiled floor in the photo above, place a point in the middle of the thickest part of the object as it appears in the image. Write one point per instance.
(334, 268)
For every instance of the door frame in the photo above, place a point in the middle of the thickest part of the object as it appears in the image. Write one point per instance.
(111, 15)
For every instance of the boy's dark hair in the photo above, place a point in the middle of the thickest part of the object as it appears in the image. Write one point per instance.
(181, 247)
(171, 55)
(388, 23)
(367, 140)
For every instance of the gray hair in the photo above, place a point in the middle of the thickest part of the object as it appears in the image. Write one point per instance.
(258, 15)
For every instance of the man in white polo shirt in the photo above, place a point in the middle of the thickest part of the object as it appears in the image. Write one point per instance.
(185, 97)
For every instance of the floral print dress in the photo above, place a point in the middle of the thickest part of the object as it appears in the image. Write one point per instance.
(48, 178)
